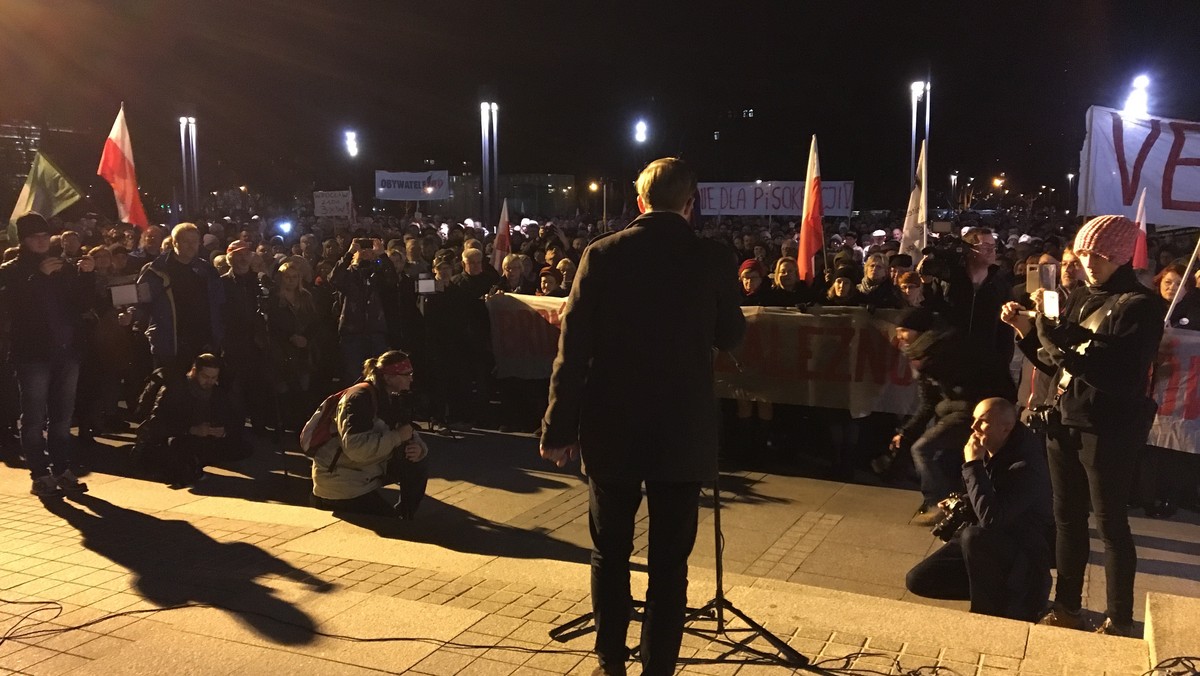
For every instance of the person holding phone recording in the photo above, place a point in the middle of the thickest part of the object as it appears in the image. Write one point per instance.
(1098, 346)
(48, 297)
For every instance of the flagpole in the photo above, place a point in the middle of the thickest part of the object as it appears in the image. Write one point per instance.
(925, 164)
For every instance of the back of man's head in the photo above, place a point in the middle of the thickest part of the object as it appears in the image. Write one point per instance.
(666, 185)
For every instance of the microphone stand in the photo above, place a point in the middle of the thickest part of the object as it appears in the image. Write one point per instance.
(716, 608)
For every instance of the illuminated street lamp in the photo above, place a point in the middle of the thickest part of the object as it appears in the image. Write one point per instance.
(601, 185)
(1138, 104)
(351, 143)
(1070, 191)
(917, 89)
(187, 150)
(640, 131)
(953, 188)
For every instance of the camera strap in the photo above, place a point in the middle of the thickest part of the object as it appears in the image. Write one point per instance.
(1091, 323)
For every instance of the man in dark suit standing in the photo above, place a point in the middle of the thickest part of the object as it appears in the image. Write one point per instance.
(632, 390)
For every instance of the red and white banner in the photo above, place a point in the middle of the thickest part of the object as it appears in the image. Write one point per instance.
(116, 167)
(842, 358)
(1123, 155)
(525, 334)
(1177, 391)
(845, 358)
(772, 198)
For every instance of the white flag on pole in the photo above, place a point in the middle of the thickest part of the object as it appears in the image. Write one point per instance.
(913, 239)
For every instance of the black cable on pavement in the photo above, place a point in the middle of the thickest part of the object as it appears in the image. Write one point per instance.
(1175, 666)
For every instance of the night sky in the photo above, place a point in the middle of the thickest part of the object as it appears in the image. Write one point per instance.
(273, 84)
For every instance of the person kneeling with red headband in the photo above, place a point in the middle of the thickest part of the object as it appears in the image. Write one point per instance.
(373, 444)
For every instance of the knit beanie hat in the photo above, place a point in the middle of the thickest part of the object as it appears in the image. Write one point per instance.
(752, 265)
(551, 272)
(31, 224)
(1113, 237)
(236, 246)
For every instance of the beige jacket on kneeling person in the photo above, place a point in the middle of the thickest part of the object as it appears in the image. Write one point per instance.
(366, 442)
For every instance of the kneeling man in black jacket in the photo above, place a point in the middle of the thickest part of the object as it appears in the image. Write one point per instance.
(192, 425)
(1001, 562)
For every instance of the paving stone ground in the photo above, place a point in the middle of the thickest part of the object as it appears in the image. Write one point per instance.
(495, 560)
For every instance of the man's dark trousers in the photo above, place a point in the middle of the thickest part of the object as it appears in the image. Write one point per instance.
(1094, 471)
(673, 516)
(975, 566)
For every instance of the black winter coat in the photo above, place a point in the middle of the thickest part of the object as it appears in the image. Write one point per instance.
(633, 380)
(952, 379)
(1111, 378)
(45, 312)
(1010, 493)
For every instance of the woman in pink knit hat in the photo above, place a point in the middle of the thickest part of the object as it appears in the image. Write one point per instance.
(1099, 350)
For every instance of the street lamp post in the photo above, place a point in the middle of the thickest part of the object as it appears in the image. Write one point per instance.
(490, 174)
(917, 89)
(1070, 191)
(602, 184)
(187, 152)
(953, 189)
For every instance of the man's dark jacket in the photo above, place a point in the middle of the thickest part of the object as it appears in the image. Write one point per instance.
(45, 311)
(180, 405)
(975, 311)
(362, 285)
(1110, 379)
(633, 380)
(951, 380)
(1011, 493)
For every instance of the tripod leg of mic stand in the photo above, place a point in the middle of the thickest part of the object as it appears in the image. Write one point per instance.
(716, 608)
(788, 652)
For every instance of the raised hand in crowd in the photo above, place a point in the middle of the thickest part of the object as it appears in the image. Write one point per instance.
(51, 265)
(1013, 314)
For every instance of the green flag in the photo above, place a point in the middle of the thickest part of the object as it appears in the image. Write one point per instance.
(47, 191)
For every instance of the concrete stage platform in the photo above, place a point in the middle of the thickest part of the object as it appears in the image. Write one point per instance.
(496, 558)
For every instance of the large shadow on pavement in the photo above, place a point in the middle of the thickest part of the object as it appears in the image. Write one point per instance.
(176, 563)
(445, 525)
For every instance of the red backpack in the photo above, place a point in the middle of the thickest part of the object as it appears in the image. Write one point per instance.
(320, 427)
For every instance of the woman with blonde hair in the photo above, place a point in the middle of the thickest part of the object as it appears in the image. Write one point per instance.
(293, 327)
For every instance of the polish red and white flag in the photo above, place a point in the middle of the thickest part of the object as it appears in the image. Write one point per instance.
(116, 167)
(1141, 260)
(812, 230)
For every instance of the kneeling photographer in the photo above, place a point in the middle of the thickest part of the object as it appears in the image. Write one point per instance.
(997, 553)
(369, 442)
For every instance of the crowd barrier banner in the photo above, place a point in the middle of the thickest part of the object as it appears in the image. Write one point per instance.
(842, 358)
(1177, 391)
(1122, 155)
(772, 198)
(412, 186)
(525, 334)
(333, 203)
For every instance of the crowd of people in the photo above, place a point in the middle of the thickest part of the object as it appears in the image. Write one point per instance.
(189, 333)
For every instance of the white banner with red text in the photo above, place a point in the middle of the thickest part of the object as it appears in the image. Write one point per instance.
(1123, 154)
(772, 198)
(843, 358)
(1177, 391)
